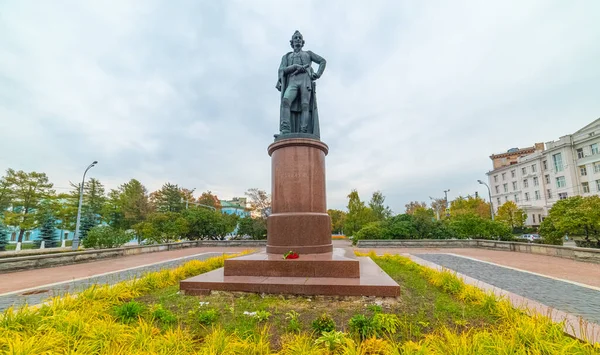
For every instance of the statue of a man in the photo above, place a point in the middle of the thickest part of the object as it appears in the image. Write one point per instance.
(297, 85)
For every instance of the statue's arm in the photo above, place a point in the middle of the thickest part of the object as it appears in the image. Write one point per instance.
(319, 60)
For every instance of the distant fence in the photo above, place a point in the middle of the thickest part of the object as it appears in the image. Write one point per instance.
(24, 262)
(574, 253)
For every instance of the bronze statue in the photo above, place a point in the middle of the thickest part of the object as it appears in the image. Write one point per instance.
(296, 82)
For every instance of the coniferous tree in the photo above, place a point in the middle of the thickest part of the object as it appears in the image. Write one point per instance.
(3, 237)
(47, 232)
(88, 221)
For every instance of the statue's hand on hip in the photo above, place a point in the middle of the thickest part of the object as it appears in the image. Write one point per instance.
(314, 76)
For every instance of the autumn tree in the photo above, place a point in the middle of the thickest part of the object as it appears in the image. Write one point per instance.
(439, 206)
(28, 190)
(338, 218)
(470, 205)
(260, 201)
(413, 205)
(168, 199)
(379, 210)
(209, 199)
(511, 215)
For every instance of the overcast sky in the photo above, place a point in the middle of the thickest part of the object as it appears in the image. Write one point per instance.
(415, 97)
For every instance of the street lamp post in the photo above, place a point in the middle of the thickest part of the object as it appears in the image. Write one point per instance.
(76, 237)
(186, 198)
(446, 199)
(490, 195)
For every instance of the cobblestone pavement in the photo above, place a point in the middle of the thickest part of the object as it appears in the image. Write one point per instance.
(40, 294)
(565, 296)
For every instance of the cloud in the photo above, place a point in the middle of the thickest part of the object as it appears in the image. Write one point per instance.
(415, 97)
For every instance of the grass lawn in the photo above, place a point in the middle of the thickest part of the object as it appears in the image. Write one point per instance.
(436, 314)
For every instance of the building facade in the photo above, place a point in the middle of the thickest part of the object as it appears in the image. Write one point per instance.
(536, 177)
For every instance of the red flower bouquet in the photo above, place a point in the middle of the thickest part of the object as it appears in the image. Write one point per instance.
(291, 255)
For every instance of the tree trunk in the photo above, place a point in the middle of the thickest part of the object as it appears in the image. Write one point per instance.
(21, 232)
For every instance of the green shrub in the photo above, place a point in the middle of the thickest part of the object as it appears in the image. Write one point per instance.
(106, 237)
(294, 325)
(164, 315)
(323, 324)
(208, 316)
(129, 311)
(363, 326)
(385, 323)
(331, 340)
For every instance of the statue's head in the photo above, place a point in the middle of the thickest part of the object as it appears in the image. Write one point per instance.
(297, 40)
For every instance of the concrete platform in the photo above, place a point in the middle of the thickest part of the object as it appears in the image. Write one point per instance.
(372, 281)
(334, 264)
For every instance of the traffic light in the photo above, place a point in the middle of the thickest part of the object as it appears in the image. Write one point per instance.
(476, 194)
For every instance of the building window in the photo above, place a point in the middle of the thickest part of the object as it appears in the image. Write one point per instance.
(563, 196)
(537, 195)
(525, 183)
(598, 185)
(560, 182)
(66, 235)
(13, 237)
(533, 216)
(533, 168)
(505, 186)
(583, 170)
(527, 196)
(497, 189)
(514, 186)
(535, 181)
(513, 173)
(27, 235)
(516, 198)
(540, 218)
(547, 179)
(596, 168)
(594, 148)
(545, 164)
(524, 170)
(580, 153)
(498, 200)
(586, 187)
(505, 198)
(503, 176)
(495, 178)
(557, 159)
(549, 193)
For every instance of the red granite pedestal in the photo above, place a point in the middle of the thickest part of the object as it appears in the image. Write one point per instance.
(298, 222)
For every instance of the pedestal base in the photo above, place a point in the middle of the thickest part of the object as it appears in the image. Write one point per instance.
(372, 281)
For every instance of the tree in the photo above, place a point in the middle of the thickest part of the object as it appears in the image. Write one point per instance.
(106, 237)
(28, 190)
(380, 212)
(424, 223)
(400, 227)
(3, 236)
(5, 194)
(475, 226)
(256, 228)
(511, 215)
(208, 199)
(439, 206)
(132, 200)
(413, 205)
(208, 224)
(260, 201)
(163, 227)
(337, 220)
(168, 199)
(47, 231)
(358, 214)
(470, 205)
(64, 208)
(574, 216)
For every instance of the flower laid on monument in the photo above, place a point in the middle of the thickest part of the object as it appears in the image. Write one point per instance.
(291, 255)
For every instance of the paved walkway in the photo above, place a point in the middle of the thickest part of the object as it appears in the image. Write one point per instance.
(566, 269)
(565, 296)
(10, 282)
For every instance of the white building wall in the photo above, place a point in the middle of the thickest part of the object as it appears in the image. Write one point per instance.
(565, 179)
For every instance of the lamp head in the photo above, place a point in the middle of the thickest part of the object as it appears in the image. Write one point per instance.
(479, 181)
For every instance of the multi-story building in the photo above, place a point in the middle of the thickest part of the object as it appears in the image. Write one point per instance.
(536, 177)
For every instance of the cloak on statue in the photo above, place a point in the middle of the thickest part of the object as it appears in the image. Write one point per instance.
(296, 110)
